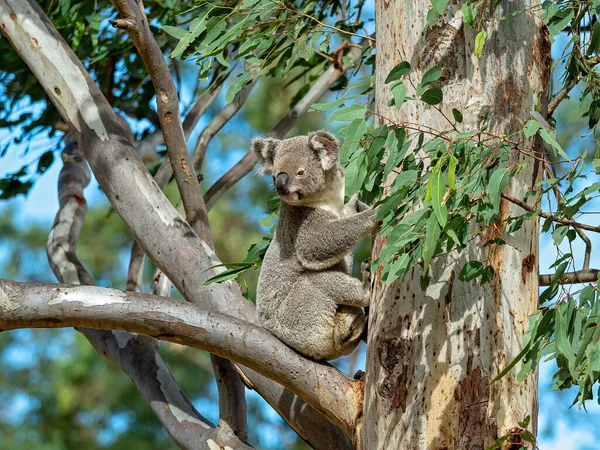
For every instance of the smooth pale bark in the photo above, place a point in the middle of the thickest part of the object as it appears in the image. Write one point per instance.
(432, 354)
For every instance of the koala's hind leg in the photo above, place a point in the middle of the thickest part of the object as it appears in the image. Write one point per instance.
(342, 288)
(348, 329)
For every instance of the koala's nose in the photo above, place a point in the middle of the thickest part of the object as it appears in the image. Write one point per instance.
(281, 182)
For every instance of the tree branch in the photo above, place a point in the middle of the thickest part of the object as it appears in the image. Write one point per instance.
(219, 122)
(561, 95)
(285, 124)
(572, 223)
(205, 100)
(579, 276)
(150, 218)
(136, 355)
(34, 305)
(135, 23)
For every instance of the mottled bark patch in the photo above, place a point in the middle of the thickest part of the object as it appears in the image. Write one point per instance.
(444, 46)
(543, 62)
(473, 402)
(527, 266)
(507, 101)
(395, 357)
(514, 441)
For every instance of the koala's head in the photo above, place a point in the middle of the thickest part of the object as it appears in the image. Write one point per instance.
(303, 167)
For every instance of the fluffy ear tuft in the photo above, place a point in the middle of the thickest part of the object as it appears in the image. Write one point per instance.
(327, 147)
(264, 149)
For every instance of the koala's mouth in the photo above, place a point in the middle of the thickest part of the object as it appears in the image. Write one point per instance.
(292, 197)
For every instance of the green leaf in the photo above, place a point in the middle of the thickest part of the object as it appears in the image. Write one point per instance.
(563, 316)
(429, 77)
(531, 127)
(479, 42)
(398, 72)
(237, 85)
(549, 139)
(196, 28)
(176, 32)
(432, 234)
(452, 172)
(496, 185)
(226, 275)
(399, 93)
(457, 115)
(348, 113)
(559, 234)
(470, 271)
(468, 14)
(595, 40)
(433, 96)
(437, 186)
(328, 105)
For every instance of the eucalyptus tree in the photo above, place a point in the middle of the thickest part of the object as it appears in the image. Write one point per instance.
(448, 129)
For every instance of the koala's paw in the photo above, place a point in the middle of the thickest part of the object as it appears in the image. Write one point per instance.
(352, 204)
(365, 268)
(362, 207)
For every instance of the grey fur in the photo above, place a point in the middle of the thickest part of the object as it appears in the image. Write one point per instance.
(306, 295)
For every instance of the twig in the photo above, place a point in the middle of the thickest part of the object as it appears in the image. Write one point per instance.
(287, 122)
(579, 276)
(324, 25)
(205, 100)
(560, 95)
(588, 247)
(165, 171)
(134, 22)
(572, 223)
(218, 122)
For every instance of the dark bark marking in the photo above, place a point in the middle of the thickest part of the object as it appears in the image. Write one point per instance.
(395, 357)
(448, 296)
(473, 400)
(527, 266)
(444, 46)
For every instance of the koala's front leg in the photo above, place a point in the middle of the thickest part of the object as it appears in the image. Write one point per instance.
(323, 242)
(342, 288)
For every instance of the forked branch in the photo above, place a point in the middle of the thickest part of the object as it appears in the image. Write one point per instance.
(136, 355)
(134, 21)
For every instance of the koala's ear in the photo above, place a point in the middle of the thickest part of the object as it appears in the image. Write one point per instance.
(264, 149)
(327, 147)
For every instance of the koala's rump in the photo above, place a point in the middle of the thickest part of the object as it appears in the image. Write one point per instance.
(306, 318)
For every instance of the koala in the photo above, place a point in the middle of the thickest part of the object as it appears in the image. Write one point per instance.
(306, 295)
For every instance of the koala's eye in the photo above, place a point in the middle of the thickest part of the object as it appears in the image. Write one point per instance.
(300, 172)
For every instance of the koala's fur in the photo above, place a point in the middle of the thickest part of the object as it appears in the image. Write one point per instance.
(306, 295)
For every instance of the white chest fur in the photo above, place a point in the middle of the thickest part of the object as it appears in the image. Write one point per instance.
(333, 199)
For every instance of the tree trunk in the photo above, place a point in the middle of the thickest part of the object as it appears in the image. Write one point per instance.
(433, 353)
